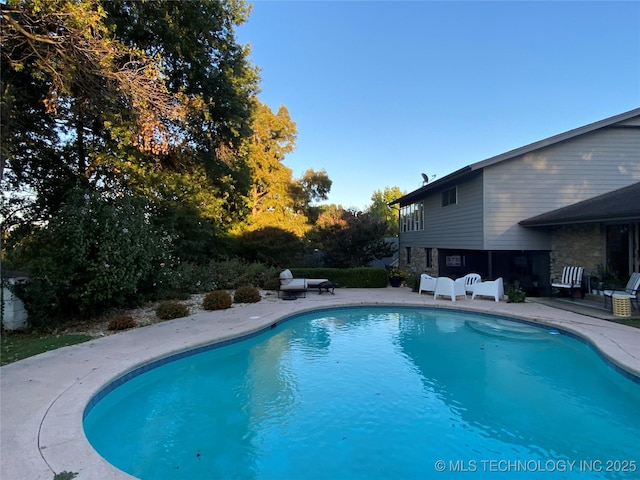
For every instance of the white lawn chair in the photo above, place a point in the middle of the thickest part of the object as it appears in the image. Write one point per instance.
(571, 279)
(470, 279)
(427, 283)
(494, 288)
(630, 291)
(449, 288)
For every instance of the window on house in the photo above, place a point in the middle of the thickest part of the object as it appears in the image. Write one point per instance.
(412, 217)
(450, 197)
(408, 255)
(427, 256)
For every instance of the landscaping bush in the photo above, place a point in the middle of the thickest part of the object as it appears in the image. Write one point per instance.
(216, 300)
(362, 277)
(96, 253)
(220, 275)
(194, 278)
(246, 294)
(169, 310)
(272, 246)
(413, 281)
(515, 294)
(272, 283)
(122, 322)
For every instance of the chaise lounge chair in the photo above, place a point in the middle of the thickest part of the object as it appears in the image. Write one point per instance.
(293, 286)
(630, 290)
(493, 289)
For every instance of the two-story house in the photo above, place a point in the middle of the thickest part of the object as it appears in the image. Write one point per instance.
(525, 214)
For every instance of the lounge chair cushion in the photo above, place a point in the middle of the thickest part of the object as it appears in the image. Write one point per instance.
(315, 282)
(294, 284)
(286, 277)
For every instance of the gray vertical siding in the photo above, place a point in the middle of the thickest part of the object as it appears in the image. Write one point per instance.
(554, 177)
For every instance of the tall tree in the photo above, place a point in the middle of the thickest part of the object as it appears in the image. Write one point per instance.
(349, 238)
(311, 187)
(271, 201)
(381, 209)
(93, 90)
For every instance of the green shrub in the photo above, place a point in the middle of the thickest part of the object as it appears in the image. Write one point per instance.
(413, 281)
(515, 294)
(218, 275)
(193, 278)
(271, 246)
(170, 309)
(216, 300)
(272, 283)
(246, 294)
(122, 322)
(361, 277)
(96, 253)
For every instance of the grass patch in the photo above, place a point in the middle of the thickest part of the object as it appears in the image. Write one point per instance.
(632, 322)
(16, 346)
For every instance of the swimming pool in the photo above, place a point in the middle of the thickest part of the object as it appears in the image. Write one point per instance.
(376, 392)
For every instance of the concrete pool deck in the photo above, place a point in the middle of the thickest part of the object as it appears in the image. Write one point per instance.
(42, 398)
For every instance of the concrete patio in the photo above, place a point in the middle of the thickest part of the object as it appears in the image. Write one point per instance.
(43, 397)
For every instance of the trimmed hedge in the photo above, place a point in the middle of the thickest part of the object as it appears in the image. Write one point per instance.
(362, 277)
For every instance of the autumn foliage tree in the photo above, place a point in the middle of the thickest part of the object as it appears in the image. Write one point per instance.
(277, 199)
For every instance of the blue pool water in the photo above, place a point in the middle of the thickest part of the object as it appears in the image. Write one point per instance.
(377, 393)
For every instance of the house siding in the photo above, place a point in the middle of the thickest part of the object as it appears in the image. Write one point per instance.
(554, 177)
(453, 226)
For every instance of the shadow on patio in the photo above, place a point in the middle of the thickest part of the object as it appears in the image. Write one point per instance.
(591, 306)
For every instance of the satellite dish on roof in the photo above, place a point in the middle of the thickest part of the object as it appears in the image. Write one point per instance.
(425, 178)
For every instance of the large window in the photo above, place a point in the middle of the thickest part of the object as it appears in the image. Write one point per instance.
(450, 197)
(412, 217)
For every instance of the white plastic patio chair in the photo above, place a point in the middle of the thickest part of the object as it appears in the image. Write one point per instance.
(449, 288)
(427, 283)
(494, 288)
(470, 279)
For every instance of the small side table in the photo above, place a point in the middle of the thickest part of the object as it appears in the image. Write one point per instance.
(326, 286)
(621, 305)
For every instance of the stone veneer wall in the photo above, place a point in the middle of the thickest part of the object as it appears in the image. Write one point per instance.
(577, 245)
(419, 261)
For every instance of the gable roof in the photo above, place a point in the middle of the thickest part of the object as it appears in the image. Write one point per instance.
(477, 167)
(619, 205)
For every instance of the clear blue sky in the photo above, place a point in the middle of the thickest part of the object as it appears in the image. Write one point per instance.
(382, 91)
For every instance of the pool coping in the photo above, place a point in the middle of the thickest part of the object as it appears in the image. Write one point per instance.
(43, 398)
